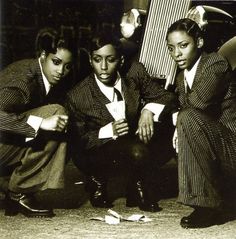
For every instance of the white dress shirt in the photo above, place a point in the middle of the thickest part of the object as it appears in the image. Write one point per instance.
(107, 130)
(189, 75)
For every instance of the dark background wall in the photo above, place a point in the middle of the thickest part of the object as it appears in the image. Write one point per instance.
(21, 20)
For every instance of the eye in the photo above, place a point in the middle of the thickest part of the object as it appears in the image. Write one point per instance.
(170, 49)
(97, 59)
(111, 59)
(56, 62)
(183, 45)
(68, 67)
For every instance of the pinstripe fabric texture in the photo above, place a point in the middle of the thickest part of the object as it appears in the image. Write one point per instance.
(88, 104)
(21, 89)
(39, 164)
(206, 127)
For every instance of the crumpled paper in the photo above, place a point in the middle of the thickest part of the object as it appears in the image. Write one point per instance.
(115, 218)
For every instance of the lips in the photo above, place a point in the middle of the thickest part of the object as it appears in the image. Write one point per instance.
(57, 77)
(104, 76)
(181, 62)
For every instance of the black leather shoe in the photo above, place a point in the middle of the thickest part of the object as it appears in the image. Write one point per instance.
(201, 218)
(98, 195)
(136, 197)
(150, 207)
(25, 204)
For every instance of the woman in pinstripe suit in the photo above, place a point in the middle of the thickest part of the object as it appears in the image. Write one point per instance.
(112, 132)
(32, 140)
(205, 136)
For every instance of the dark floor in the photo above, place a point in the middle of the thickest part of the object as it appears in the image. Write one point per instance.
(73, 214)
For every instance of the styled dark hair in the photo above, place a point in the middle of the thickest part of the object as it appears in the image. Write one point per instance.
(104, 38)
(50, 39)
(187, 25)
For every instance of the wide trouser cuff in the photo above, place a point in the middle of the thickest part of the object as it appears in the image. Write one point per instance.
(199, 201)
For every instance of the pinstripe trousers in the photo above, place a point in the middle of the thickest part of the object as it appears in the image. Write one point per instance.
(206, 158)
(38, 164)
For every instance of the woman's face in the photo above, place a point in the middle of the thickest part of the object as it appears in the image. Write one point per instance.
(57, 66)
(183, 49)
(105, 62)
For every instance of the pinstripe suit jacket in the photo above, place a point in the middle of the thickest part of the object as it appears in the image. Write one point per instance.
(21, 89)
(87, 103)
(213, 90)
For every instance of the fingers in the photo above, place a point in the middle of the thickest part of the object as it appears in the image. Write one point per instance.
(120, 127)
(122, 130)
(145, 133)
(62, 121)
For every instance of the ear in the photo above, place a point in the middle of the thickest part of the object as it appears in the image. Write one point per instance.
(200, 42)
(43, 55)
(90, 59)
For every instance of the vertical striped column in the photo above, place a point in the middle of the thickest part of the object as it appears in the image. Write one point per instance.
(154, 53)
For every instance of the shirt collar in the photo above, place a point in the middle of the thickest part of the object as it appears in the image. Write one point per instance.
(45, 81)
(108, 91)
(189, 75)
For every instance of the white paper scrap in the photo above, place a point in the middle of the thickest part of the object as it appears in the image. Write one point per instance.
(114, 214)
(135, 217)
(115, 218)
(112, 220)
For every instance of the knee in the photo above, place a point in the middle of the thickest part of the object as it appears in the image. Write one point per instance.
(139, 154)
(186, 116)
(58, 109)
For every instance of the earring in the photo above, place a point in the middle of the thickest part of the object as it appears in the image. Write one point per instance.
(200, 43)
(43, 55)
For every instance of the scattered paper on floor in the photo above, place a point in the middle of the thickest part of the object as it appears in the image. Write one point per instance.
(115, 218)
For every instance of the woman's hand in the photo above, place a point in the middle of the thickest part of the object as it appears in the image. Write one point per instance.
(120, 127)
(175, 141)
(55, 123)
(145, 126)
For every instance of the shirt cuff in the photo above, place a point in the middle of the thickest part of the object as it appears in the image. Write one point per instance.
(155, 108)
(106, 132)
(34, 122)
(174, 118)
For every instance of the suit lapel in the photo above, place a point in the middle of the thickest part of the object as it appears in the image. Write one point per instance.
(131, 97)
(97, 93)
(181, 87)
(197, 77)
(99, 99)
(39, 78)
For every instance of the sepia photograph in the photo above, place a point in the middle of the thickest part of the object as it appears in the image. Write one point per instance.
(117, 119)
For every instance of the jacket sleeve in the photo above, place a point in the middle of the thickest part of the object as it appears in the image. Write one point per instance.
(150, 88)
(84, 132)
(11, 120)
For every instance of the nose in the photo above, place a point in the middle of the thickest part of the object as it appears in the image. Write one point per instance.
(60, 70)
(177, 52)
(104, 64)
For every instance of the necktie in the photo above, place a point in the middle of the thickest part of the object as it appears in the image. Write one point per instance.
(118, 94)
(187, 88)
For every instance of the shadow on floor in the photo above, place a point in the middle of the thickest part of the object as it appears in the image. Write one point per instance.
(74, 194)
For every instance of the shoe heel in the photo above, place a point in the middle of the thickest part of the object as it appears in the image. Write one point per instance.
(11, 208)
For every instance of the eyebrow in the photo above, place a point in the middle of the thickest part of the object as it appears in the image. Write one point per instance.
(105, 56)
(184, 41)
(56, 58)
